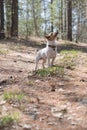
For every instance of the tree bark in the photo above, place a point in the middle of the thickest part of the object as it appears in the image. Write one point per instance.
(27, 19)
(2, 35)
(35, 22)
(78, 23)
(51, 16)
(8, 18)
(69, 7)
(45, 22)
(62, 19)
(14, 27)
(86, 8)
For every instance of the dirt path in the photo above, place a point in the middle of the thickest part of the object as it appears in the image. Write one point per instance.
(65, 108)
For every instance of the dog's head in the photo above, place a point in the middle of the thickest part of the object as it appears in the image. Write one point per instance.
(51, 36)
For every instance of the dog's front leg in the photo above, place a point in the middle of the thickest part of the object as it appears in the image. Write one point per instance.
(36, 63)
(36, 66)
(44, 60)
(52, 61)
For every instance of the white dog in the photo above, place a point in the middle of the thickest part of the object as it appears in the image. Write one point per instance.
(49, 52)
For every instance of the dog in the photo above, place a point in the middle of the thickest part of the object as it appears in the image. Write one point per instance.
(49, 52)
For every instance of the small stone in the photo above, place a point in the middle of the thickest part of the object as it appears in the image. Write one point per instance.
(43, 118)
(51, 123)
(52, 88)
(1, 93)
(59, 115)
(61, 90)
(26, 127)
(4, 108)
(20, 71)
(37, 81)
(83, 80)
(2, 102)
(69, 118)
(11, 77)
(84, 101)
(13, 126)
(73, 123)
(20, 125)
(61, 84)
(15, 61)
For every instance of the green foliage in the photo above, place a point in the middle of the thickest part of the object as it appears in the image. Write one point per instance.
(4, 121)
(69, 58)
(3, 52)
(26, 19)
(70, 52)
(13, 96)
(30, 83)
(8, 119)
(51, 71)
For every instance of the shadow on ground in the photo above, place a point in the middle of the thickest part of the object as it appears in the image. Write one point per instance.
(42, 43)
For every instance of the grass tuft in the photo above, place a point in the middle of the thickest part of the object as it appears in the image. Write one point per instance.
(8, 119)
(13, 96)
(69, 59)
(3, 52)
(51, 71)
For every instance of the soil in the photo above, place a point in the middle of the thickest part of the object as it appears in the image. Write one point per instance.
(49, 103)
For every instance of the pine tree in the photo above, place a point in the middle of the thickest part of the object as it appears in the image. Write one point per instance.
(69, 8)
(8, 18)
(14, 27)
(2, 35)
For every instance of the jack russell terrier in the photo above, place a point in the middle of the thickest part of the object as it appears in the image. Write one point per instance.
(49, 52)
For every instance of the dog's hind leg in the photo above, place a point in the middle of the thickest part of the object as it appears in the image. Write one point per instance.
(36, 65)
(48, 61)
(44, 61)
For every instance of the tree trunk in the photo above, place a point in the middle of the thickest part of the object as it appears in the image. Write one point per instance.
(45, 22)
(27, 19)
(62, 19)
(86, 9)
(78, 23)
(35, 22)
(69, 6)
(14, 27)
(51, 16)
(8, 18)
(2, 35)
(65, 21)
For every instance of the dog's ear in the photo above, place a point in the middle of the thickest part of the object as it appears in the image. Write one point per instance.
(47, 36)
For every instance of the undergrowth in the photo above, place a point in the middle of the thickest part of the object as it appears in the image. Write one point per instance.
(7, 120)
(9, 96)
(3, 52)
(69, 59)
(51, 71)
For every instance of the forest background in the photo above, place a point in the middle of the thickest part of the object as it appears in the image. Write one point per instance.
(25, 18)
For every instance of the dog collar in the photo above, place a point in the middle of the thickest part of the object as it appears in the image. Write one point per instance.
(53, 47)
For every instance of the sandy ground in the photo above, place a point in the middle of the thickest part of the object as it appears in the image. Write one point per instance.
(65, 108)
